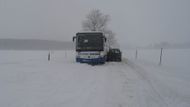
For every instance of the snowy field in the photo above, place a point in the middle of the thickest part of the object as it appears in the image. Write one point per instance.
(28, 79)
(178, 58)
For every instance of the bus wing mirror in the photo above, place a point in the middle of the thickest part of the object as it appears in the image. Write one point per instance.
(74, 38)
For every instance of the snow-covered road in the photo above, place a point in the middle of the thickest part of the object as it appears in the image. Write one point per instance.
(27, 79)
(171, 86)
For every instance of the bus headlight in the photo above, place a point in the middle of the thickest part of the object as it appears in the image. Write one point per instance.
(102, 54)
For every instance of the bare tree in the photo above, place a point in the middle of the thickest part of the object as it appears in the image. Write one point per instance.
(110, 35)
(97, 21)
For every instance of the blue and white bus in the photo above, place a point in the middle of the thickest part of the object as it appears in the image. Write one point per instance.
(90, 47)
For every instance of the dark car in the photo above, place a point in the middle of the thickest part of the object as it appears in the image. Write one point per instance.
(114, 55)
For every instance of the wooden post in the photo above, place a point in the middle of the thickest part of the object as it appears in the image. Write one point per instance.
(160, 63)
(49, 56)
(136, 54)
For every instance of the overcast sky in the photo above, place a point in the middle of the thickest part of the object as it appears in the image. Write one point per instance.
(136, 22)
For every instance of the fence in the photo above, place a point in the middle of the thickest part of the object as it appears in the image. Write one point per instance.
(171, 57)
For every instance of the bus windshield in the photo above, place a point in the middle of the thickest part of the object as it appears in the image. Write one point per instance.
(90, 42)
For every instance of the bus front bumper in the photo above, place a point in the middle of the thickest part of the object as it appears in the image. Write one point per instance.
(91, 61)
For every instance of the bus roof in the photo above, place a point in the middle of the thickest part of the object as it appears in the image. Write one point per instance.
(84, 32)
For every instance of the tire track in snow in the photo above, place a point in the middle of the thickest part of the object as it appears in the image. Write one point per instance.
(142, 75)
(130, 89)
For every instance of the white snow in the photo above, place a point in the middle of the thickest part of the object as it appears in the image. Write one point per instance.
(28, 79)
